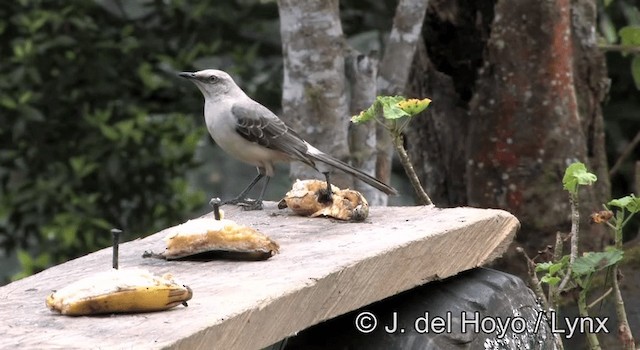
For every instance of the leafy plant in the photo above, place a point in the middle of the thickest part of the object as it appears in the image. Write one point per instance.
(389, 111)
(567, 272)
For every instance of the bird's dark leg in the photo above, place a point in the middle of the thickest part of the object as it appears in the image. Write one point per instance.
(242, 197)
(250, 204)
(325, 196)
(257, 204)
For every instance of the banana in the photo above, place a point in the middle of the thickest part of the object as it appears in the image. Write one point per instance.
(118, 291)
(302, 199)
(205, 235)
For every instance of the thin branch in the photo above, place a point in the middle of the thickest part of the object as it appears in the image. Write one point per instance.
(534, 282)
(620, 48)
(625, 154)
(600, 298)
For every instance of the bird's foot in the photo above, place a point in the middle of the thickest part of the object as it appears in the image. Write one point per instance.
(325, 196)
(245, 203)
(251, 205)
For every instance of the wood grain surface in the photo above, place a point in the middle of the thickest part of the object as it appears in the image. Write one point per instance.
(325, 268)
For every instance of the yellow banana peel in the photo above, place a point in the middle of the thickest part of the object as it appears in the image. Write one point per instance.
(119, 291)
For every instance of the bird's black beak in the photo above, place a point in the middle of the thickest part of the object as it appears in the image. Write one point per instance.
(187, 75)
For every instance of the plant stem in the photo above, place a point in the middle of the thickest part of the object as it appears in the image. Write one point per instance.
(582, 308)
(575, 226)
(624, 332)
(534, 281)
(557, 255)
(398, 143)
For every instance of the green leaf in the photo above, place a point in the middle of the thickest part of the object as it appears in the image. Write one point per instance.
(31, 114)
(608, 29)
(109, 132)
(81, 167)
(7, 102)
(364, 116)
(591, 262)
(630, 203)
(414, 106)
(550, 280)
(577, 174)
(630, 36)
(390, 108)
(553, 269)
(635, 70)
(544, 266)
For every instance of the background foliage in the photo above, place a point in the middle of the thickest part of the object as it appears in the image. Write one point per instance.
(619, 19)
(98, 132)
(94, 127)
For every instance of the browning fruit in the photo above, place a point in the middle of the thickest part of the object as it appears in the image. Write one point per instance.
(347, 204)
(117, 291)
(207, 234)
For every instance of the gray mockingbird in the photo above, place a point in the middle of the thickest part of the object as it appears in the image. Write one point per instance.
(252, 133)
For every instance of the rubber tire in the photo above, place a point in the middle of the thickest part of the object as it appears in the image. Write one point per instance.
(492, 293)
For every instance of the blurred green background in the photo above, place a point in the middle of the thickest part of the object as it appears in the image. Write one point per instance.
(97, 131)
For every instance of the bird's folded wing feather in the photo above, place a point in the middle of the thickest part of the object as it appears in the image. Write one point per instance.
(258, 124)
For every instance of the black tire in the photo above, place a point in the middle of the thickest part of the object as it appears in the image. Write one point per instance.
(493, 294)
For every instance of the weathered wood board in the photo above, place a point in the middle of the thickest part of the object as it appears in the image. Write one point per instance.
(325, 268)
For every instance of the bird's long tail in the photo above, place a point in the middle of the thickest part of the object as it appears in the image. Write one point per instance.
(336, 163)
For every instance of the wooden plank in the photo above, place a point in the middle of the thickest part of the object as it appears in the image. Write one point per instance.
(325, 268)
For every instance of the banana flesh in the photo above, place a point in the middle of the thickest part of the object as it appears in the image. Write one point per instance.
(209, 235)
(119, 291)
(302, 199)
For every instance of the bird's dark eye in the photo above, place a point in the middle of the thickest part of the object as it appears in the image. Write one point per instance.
(213, 79)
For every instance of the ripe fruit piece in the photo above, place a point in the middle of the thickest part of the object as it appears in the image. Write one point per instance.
(348, 205)
(118, 291)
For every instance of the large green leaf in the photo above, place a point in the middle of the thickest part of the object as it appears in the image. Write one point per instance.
(630, 203)
(577, 174)
(591, 262)
(630, 35)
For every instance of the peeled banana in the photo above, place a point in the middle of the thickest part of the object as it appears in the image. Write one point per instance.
(220, 238)
(303, 199)
(118, 291)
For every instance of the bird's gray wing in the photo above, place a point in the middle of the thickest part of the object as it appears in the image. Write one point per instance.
(258, 124)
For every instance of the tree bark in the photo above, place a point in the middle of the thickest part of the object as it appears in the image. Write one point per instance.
(526, 121)
(520, 83)
(314, 99)
(436, 137)
(362, 71)
(394, 70)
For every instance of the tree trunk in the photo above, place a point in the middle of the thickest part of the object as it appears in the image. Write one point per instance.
(436, 137)
(314, 99)
(362, 71)
(530, 78)
(394, 70)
